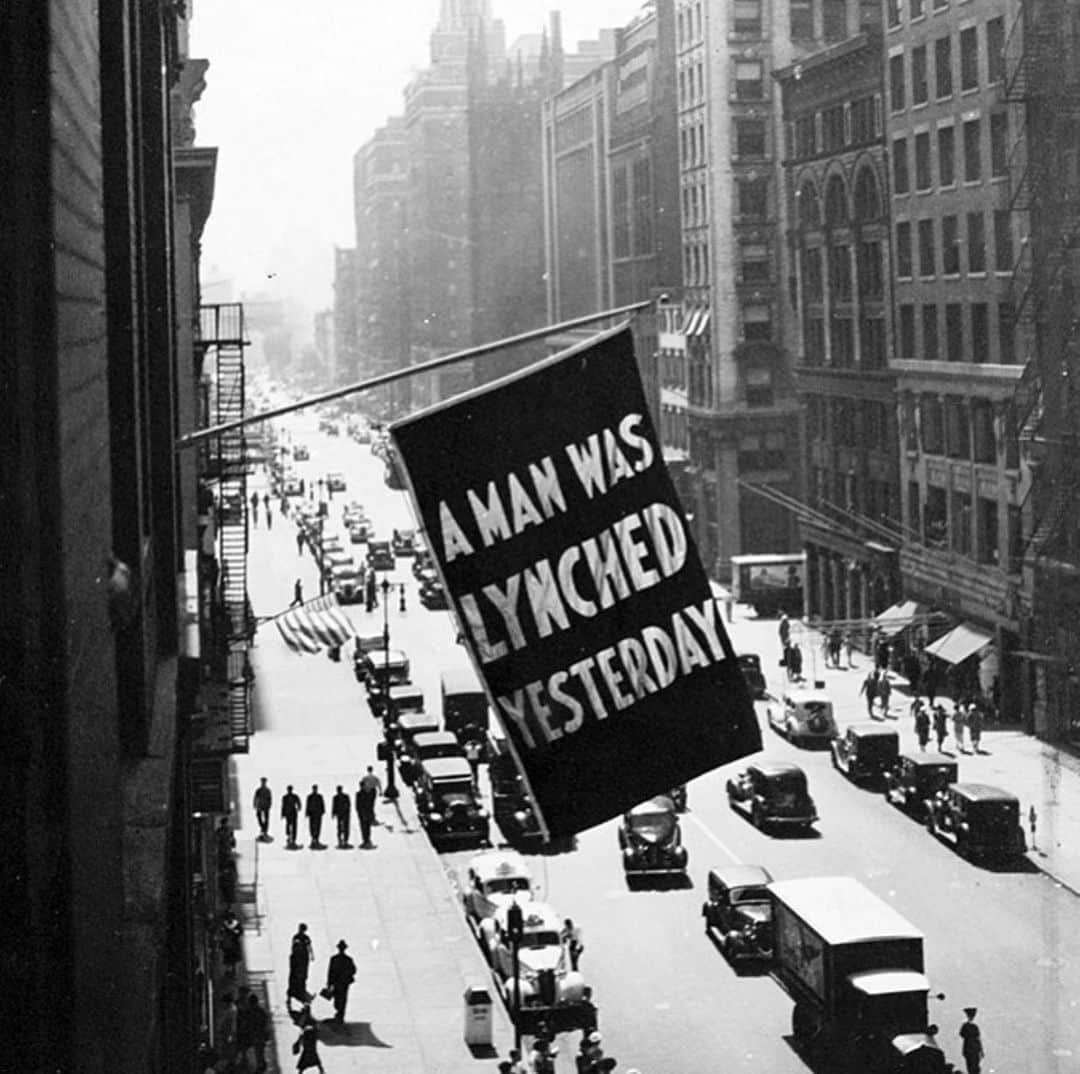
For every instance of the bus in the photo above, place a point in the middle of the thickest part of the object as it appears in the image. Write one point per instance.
(770, 583)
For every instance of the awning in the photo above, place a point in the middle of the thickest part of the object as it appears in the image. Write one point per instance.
(702, 323)
(960, 643)
(894, 619)
(691, 321)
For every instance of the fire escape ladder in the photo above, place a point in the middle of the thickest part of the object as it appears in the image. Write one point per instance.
(1018, 58)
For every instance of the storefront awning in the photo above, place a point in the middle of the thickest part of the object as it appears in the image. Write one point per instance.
(894, 619)
(961, 642)
(690, 322)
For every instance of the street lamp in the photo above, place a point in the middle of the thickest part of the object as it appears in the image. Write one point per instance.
(515, 927)
(322, 557)
(384, 689)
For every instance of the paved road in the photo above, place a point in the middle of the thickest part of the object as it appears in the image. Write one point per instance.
(1004, 941)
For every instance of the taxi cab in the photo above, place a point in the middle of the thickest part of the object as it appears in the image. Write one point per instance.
(494, 880)
(803, 717)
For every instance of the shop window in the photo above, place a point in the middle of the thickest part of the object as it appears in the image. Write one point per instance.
(943, 66)
(946, 144)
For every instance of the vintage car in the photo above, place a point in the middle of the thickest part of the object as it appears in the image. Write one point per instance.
(865, 751)
(738, 911)
(978, 820)
(427, 745)
(403, 542)
(422, 564)
(301, 453)
(294, 486)
(650, 839)
(348, 583)
(352, 510)
(916, 778)
(772, 794)
(543, 962)
(447, 803)
(376, 666)
(335, 481)
(495, 879)
(433, 595)
(803, 716)
(380, 556)
(411, 724)
(358, 530)
(510, 803)
(750, 665)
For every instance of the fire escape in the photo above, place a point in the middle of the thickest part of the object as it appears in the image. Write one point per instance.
(1043, 81)
(222, 337)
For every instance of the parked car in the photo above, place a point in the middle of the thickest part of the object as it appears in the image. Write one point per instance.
(773, 794)
(294, 486)
(412, 723)
(916, 778)
(980, 821)
(349, 584)
(376, 665)
(380, 556)
(427, 745)
(358, 531)
(403, 542)
(335, 481)
(433, 595)
(865, 751)
(422, 562)
(495, 879)
(448, 805)
(750, 664)
(650, 839)
(803, 716)
(739, 911)
(510, 803)
(301, 453)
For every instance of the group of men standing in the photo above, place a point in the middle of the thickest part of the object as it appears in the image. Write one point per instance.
(314, 810)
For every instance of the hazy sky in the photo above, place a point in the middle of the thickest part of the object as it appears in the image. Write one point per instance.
(292, 92)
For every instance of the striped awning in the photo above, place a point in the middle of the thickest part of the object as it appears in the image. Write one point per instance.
(961, 642)
(690, 321)
(315, 625)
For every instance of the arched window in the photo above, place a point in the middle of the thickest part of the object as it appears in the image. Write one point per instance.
(809, 206)
(867, 198)
(836, 206)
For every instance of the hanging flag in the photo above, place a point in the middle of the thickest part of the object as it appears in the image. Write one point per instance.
(564, 550)
(315, 625)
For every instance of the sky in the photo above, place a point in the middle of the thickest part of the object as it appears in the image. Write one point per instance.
(292, 91)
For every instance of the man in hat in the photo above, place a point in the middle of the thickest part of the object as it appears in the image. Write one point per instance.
(339, 976)
(971, 1042)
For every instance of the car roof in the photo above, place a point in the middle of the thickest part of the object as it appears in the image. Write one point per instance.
(741, 876)
(872, 730)
(499, 863)
(797, 694)
(982, 792)
(405, 689)
(411, 720)
(536, 915)
(659, 804)
(841, 910)
(434, 738)
(928, 760)
(448, 768)
(461, 680)
(768, 767)
(387, 656)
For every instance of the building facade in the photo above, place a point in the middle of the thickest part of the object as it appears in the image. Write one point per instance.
(959, 348)
(839, 327)
(344, 357)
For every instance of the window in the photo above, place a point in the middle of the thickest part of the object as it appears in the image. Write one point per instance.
(916, 8)
(995, 49)
(907, 331)
(747, 18)
(969, 59)
(1003, 245)
(943, 66)
(840, 273)
(815, 341)
(755, 263)
(864, 124)
(933, 425)
(753, 198)
(1006, 333)
(843, 342)
(914, 514)
(757, 322)
(920, 87)
(805, 136)
(802, 20)
(984, 446)
(836, 206)
(892, 12)
(759, 387)
(748, 84)
(750, 139)
(834, 19)
(812, 279)
(931, 350)
(927, 258)
(972, 157)
(872, 342)
(954, 332)
(832, 128)
(903, 249)
(939, 4)
(980, 332)
(867, 199)
(960, 526)
(620, 211)
(896, 82)
(986, 530)
(950, 246)
(936, 516)
(957, 428)
(999, 143)
(871, 279)
(946, 152)
(923, 180)
(976, 243)
(900, 166)
(1015, 536)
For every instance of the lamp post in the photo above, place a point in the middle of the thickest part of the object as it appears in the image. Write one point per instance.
(384, 689)
(322, 557)
(515, 927)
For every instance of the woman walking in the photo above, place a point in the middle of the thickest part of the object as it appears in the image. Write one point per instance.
(958, 726)
(306, 1048)
(941, 726)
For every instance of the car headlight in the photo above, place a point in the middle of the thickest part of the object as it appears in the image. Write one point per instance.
(481, 814)
(437, 817)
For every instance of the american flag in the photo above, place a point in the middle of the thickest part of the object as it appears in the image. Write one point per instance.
(315, 625)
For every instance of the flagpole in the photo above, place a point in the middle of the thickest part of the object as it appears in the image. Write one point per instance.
(197, 437)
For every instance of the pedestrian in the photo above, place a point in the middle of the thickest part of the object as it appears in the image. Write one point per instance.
(785, 631)
(229, 932)
(869, 688)
(301, 955)
(371, 600)
(1033, 820)
(473, 751)
(958, 726)
(836, 643)
(297, 593)
(795, 662)
(849, 648)
(542, 1056)
(306, 1048)
(922, 726)
(300, 542)
(882, 652)
(266, 503)
(941, 726)
(975, 725)
(290, 810)
(340, 974)
(255, 508)
(225, 842)
(517, 1066)
(368, 790)
(264, 799)
(227, 1029)
(341, 811)
(571, 939)
(252, 1032)
(929, 678)
(826, 650)
(971, 1037)
(884, 693)
(315, 810)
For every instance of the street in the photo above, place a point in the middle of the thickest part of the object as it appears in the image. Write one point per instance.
(1003, 940)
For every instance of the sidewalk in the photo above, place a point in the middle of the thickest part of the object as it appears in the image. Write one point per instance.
(1039, 774)
(414, 952)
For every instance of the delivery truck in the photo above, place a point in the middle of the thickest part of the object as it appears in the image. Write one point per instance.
(854, 967)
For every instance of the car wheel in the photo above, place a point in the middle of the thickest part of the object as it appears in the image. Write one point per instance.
(757, 816)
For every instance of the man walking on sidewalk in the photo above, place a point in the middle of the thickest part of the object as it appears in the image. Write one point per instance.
(301, 955)
(290, 810)
(315, 810)
(264, 799)
(869, 687)
(297, 593)
(339, 976)
(368, 791)
(341, 811)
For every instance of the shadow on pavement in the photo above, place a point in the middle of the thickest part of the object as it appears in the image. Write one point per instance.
(350, 1035)
(659, 882)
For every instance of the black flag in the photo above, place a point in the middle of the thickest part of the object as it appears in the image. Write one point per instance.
(563, 547)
